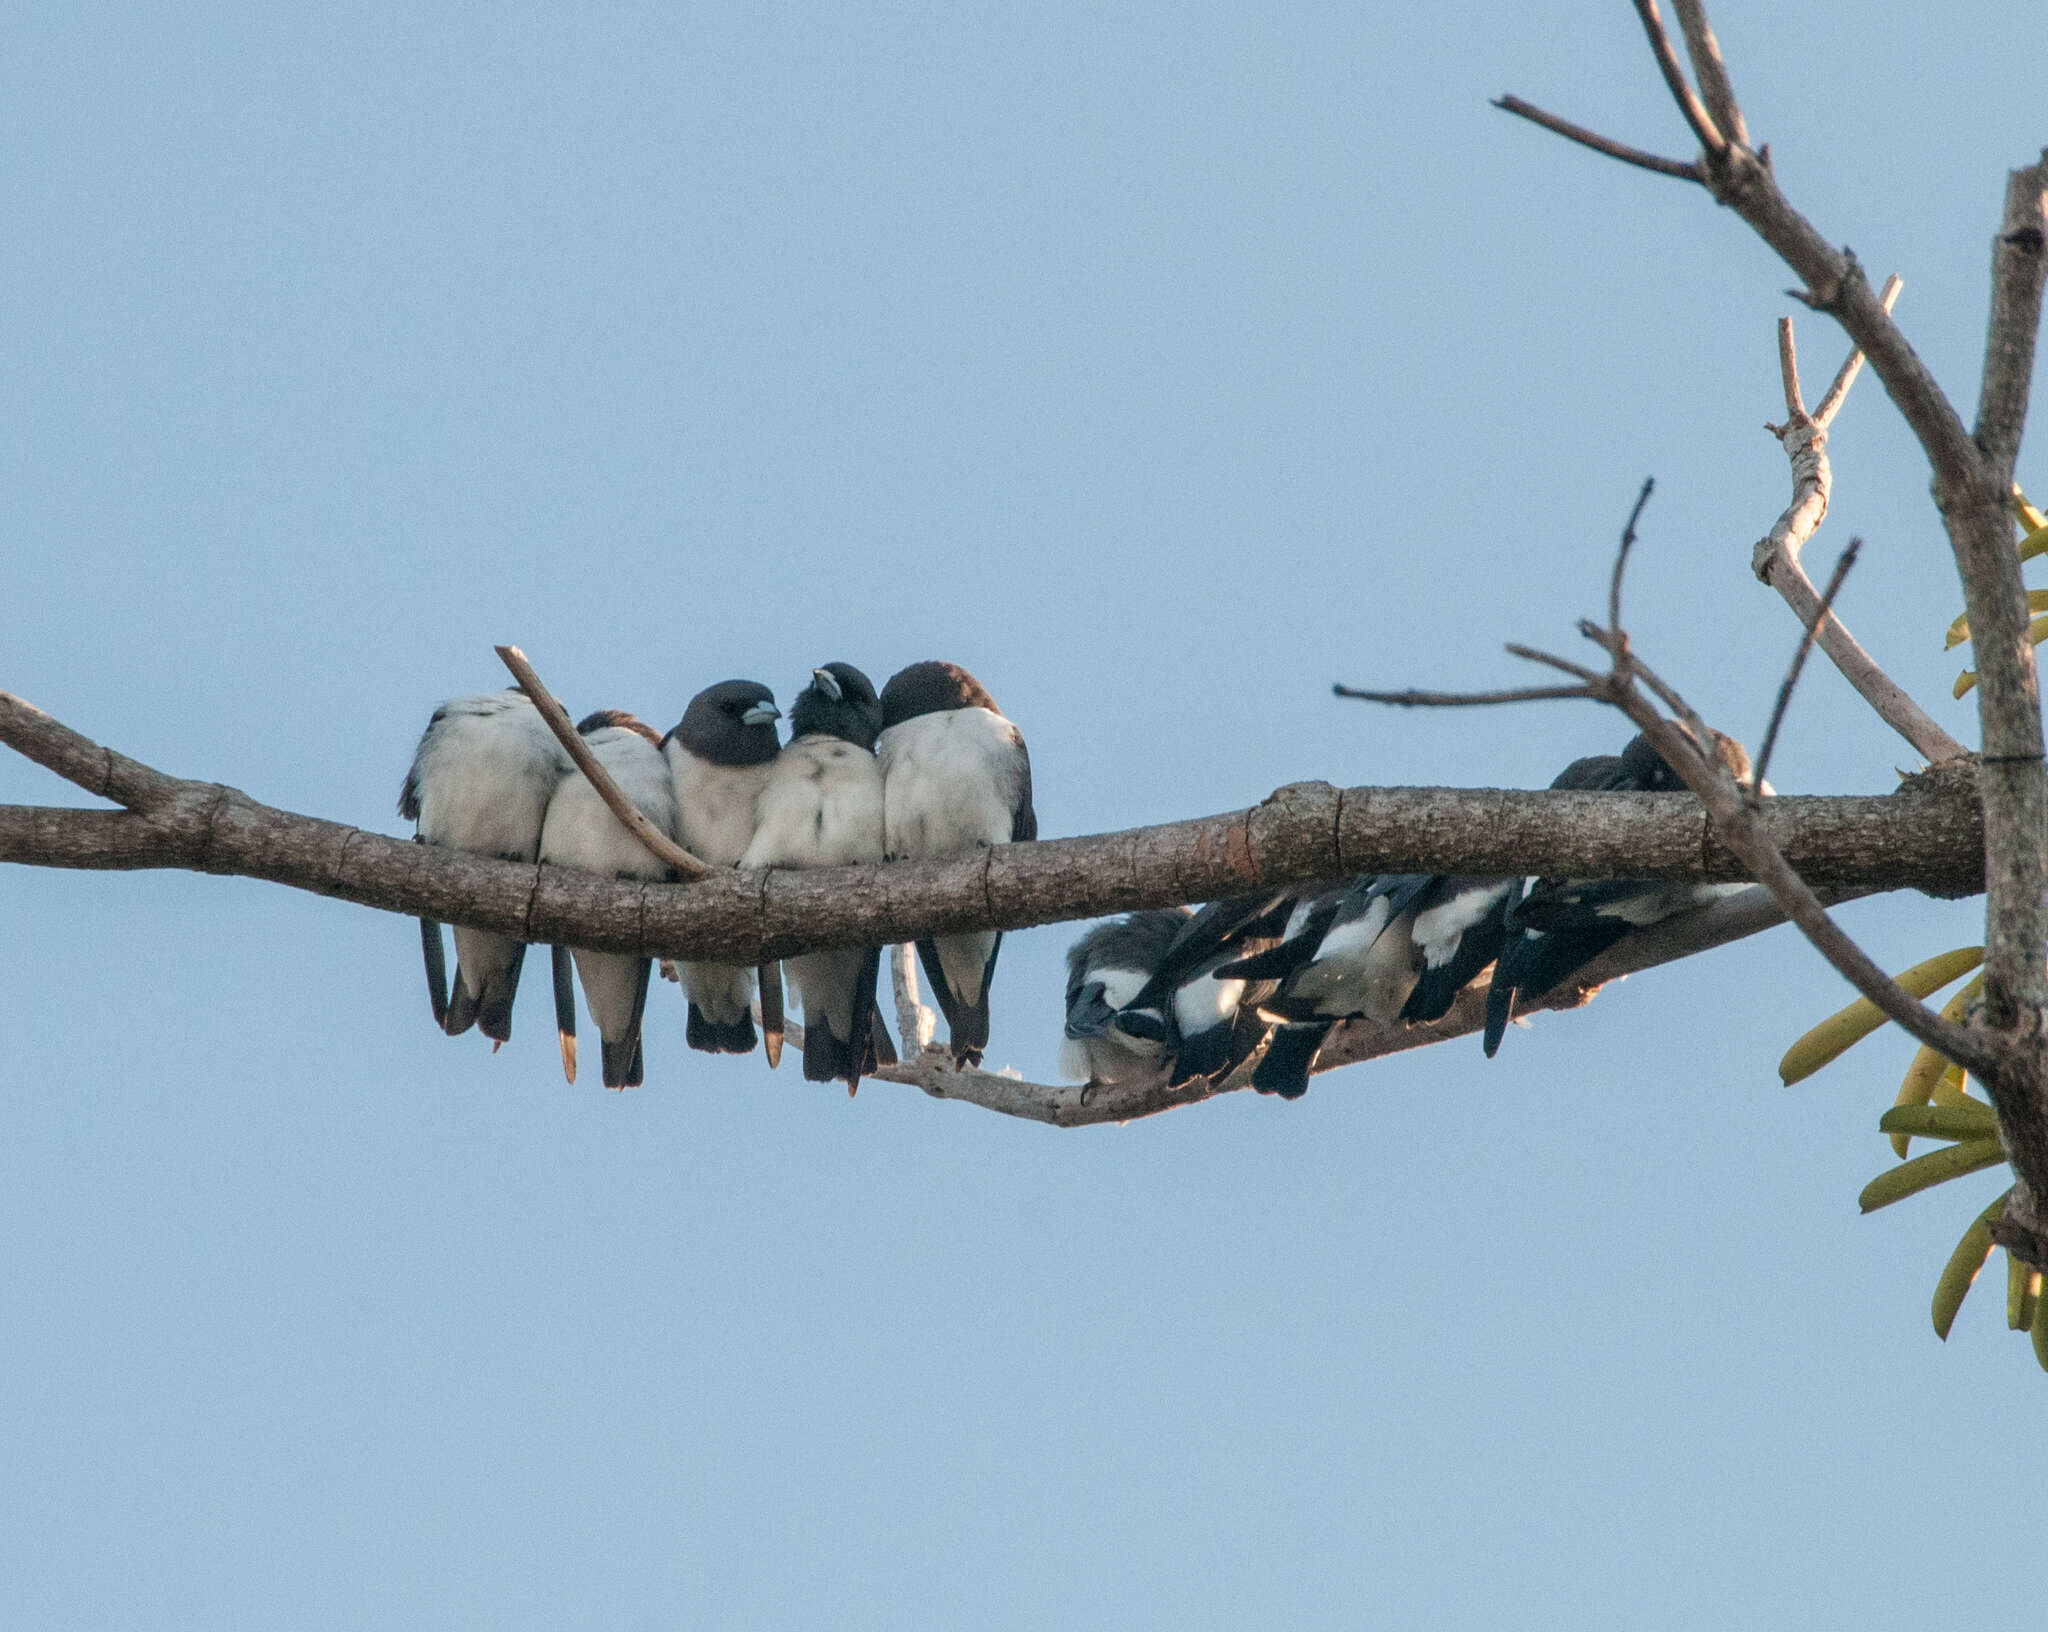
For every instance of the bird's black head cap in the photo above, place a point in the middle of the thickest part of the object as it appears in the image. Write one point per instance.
(839, 702)
(931, 688)
(731, 723)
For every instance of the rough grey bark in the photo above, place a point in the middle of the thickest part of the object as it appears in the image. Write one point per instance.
(1924, 837)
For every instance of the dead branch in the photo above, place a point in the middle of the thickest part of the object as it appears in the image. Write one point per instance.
(1972, 480)
(1776, 558)
(656, 843)
(1679, 168)
(1791, 680)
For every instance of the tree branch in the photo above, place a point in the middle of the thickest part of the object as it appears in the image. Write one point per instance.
(1680, 168)
(2019, 261)
(1827, 603)
(1303, 831)
(655, 842)
(1776, 557)
(1710, 70)
(1972, 484)
(1689, 104)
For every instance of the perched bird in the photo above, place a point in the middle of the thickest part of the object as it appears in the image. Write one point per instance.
(1106, 968)
(1344, 952)
(955, 779)
(1459, 925)
(1208, 1022)
(480, 782)
(581, 831)
(720, 757)
(822, 807)
(1556, 926)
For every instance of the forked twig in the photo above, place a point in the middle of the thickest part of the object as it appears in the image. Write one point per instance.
(1680, 168)
(1688, 102)
(1691, 749)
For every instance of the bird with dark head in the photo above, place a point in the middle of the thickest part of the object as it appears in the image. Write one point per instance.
(1106, 968)
(840, 703)
(821, 806)
(480, 782)
(1556, 926)
(720, 756)
(582, 831)
(956, 778)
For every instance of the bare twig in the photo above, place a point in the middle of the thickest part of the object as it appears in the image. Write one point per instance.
(1827, 601)
(2019, 264)
(1530, 654)
(1689, 104)
(1448, 699)
(1680, 168)
(1628, 540)
(1688, 746)
(1852, 365)
(656, 843)
(915, 1023)
(1710, 70)
(1776, 557)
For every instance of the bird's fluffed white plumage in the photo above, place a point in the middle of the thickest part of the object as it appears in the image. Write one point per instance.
(820, 807)
(716, 810)
(480, 782)
(581, 831)
(1365, 965)
(1438, 930)
(952, 783)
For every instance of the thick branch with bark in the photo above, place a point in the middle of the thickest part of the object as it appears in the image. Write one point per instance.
(1304, 831)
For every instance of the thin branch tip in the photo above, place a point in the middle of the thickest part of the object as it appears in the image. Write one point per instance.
(651, 839)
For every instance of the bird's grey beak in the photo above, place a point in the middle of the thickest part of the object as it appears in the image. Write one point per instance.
(761, 714)
(827, 682)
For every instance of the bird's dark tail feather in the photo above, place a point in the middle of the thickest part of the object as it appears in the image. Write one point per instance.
(710, 1037)
(565, 1007)
(1203, 1054)
(437, 969)
(966, 1023)
(494, 1009)
(1285, 1066)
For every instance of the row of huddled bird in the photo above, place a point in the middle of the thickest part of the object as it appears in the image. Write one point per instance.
(927, 768)
(1264, 978)
(930, 768)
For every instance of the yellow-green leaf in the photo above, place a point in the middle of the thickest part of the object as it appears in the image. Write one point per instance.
(2041, 1332)
(1924, 1172)
(2035, 543)
(1949, 1091)
(1846, 1027)
(1925, 1075)
(1960, 1272)
(1954, 1122)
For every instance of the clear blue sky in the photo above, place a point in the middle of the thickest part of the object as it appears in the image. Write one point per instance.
(1162, 367)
